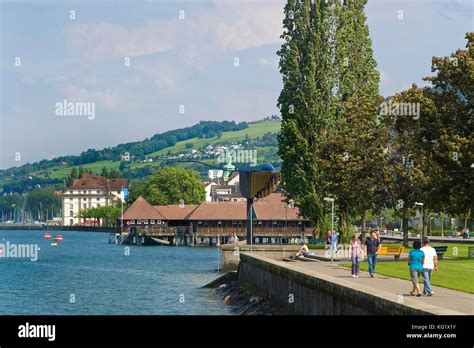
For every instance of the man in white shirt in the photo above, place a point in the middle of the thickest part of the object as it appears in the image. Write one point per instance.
(430, 264)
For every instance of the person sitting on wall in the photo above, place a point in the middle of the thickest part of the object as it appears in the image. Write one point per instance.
(233, 239)
(304, 250)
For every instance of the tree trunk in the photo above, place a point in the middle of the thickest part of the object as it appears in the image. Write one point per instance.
(465, 222)
(343, 227)
(424, 227)
(405, 229)
(442, 225)
(363, 229)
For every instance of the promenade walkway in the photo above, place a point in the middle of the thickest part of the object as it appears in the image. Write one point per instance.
(444, 302)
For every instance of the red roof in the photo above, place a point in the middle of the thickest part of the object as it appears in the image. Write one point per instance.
(175, 212)
(271, 207)
(220, 211)
(89, 181)
(142, 210)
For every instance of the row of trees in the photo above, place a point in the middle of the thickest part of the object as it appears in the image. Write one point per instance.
(39, 204)
(106, 215)
(336, 143)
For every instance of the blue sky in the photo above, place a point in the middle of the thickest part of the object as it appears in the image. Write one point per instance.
(176, 61)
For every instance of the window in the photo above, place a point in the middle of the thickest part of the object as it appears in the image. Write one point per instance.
(71, 192)
(71, 213)
(98, 204)
(152, 222)
(84, 206)
(70, 199)
(84, 192)
(98, 199)
(145, 222)
(118, 192)
(84, 199)
(139, 222)
(98, 192)
(133, 222)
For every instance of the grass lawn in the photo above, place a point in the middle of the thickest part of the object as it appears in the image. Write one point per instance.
(457, 274)
(454, 250)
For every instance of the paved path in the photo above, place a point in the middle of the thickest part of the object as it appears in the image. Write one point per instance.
(443, 302)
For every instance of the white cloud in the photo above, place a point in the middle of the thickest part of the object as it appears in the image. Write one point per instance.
(225, 27)
(104, 41)
(266, 62)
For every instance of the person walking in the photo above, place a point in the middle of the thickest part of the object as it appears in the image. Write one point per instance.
(371, 249)
(355, 252)
(430, 264)
(416, 258)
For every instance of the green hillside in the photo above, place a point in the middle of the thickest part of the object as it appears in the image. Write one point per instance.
(254, 130)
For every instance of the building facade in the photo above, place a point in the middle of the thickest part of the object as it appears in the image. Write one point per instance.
(274, 221)
(89, 192)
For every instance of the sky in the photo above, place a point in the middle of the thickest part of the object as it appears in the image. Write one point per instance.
(150, 66)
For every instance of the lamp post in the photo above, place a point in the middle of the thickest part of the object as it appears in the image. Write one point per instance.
(421, 213)
(328, 199)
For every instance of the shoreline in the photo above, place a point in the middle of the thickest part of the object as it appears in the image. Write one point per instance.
(241, 297)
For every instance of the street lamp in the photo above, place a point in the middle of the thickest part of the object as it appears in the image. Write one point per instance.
(421, 213)
(329, 199)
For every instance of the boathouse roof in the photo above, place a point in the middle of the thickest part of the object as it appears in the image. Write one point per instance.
(142, 210)
(175, 212)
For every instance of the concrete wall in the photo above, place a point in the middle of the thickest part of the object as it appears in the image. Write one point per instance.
(230, 253)
(314, 295)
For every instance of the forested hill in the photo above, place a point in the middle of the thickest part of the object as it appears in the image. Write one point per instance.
(202, 130)
(145, 156)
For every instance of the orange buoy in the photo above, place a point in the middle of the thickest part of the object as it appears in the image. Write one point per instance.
(47, 236)
(58, 238)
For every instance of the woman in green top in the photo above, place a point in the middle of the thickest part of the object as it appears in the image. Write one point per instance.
(416, 258)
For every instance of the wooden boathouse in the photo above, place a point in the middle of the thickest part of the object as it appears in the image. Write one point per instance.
(211, 223)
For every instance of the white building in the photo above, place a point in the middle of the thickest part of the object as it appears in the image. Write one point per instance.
(215, 173)
(89, 192)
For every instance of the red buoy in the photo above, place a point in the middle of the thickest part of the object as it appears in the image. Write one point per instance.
(58, 238)
(47, 236)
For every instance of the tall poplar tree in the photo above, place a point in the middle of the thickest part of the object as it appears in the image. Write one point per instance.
(305, 102)
(330, 139)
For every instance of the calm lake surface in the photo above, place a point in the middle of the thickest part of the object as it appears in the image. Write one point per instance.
(104, 280)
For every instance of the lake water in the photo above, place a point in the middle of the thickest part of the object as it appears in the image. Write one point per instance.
(86, 275)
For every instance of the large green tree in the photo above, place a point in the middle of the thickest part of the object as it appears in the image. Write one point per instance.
(451, 128)
(331, 141)
(173, 186)
(306, 102)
